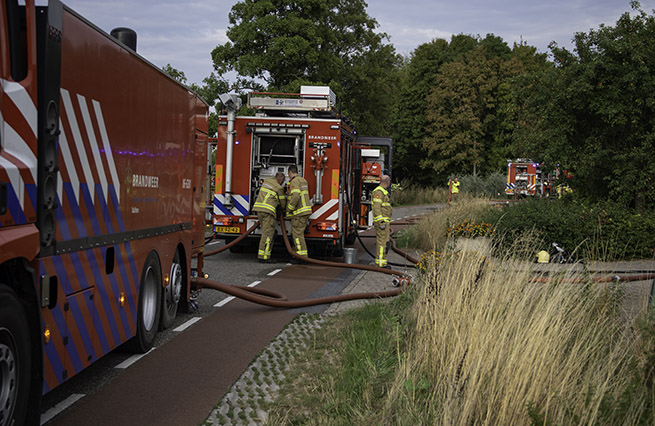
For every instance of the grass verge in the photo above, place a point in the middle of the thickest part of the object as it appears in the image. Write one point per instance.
(345, 373)
(477, 341)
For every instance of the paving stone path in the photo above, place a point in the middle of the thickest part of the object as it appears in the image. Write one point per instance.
(259, 384)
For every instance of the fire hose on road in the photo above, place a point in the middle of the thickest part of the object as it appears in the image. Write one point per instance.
(279, 300)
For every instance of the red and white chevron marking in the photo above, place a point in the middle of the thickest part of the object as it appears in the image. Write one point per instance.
(18, 155)
(328, 211)
(84, 161)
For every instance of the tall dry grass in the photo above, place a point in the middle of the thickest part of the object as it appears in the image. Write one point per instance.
(491, 347)
(430, 233)
(406, 194)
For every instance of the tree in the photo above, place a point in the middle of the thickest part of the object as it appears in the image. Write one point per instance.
(370, 91)
(455, 129)
(286, 43)
(280, 41)
(599, 104)
(471, 110)
(175, 74)
(209, 91)
(419, 75)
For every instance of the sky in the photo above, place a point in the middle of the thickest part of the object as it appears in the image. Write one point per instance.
(183, 33)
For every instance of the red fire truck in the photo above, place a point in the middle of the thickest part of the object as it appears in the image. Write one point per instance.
(303, 129)
(102, 167)
(525, 177)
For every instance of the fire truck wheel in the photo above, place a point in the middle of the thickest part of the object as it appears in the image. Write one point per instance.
(172, 292)
(15, 359)
(149, 305)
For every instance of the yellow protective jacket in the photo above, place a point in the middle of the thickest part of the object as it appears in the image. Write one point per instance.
(299, 204)
(381, 205)
(270, 196)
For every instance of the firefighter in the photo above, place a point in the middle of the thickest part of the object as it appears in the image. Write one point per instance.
(271, 195)
(299, 209)
(454, 189)
(381, 218)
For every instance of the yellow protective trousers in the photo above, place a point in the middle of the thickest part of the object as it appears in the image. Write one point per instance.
(267, 222)
(298, 225)
(381, 238)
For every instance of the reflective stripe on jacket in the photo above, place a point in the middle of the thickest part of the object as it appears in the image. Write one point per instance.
(299, 204)
(270, 195)
(381, 205)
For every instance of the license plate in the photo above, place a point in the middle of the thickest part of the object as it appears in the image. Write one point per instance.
(228, 229)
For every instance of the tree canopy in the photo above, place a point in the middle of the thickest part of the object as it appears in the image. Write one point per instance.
(458, 109)
(282, 41)
(287, 43)
(596, 110)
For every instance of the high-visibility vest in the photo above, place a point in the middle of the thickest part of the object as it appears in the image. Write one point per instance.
(381, 205)
(299, 204)
(455, 188)
(270, 196)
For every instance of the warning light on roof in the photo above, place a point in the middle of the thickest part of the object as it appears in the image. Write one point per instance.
(121, 299)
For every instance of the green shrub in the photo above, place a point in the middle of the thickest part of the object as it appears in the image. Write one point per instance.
(602, 230)
(491, 186)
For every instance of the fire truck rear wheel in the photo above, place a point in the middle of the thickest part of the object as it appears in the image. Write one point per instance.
(149, 308)
(172, 292)
(15, 359)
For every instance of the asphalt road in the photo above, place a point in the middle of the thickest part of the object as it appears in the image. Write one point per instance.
(120, 365)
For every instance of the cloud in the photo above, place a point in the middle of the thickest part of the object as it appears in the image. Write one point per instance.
(215, 36)
(182, 34)
(405, 39)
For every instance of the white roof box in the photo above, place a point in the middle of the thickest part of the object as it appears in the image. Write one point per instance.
(318, 91)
